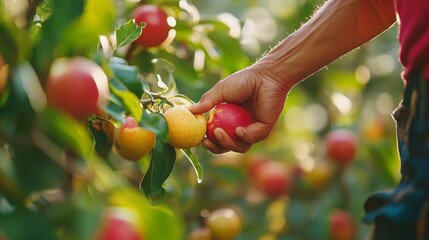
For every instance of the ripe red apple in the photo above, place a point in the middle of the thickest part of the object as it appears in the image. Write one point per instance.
(227, 116)
(119, 224)
(156, 30)
(77, 86)
(254, 163)
(341, 145)
(342, 225)
(272, 178)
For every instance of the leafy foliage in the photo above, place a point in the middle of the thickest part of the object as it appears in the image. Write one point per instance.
(59, 175)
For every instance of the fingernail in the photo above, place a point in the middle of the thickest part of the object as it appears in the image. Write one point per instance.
(191, 107)
(217, 134)
(239, 131)
(205, 143)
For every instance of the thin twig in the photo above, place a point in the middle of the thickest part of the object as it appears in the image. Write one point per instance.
(153, 97)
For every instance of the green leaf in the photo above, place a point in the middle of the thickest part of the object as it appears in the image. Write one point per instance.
(66, 131)
(160, 222)
(65, 14)
(195, 163)
(8, 41)
(103, 145)
(184, 70)
(128, 75)
(184, 98)
(127, 33)
(35, 225)
(162, 78)
(161, 166)
(115, 108)
(35, 171)
(227, 46)
(79, 216)
(129, 101)
(82, 37)
(156, 123)
(26, 93)
(31, 86)
(98, 17)
(145, 86)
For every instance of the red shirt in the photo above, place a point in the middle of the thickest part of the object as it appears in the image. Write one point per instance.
(413, 19)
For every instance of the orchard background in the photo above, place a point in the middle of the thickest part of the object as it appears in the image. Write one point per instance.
(61, 177)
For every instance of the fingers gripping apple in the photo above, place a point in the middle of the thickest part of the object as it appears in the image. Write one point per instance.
(227, 116)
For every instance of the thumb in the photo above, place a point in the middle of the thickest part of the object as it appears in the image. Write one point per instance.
(253, 133)
(208, 100)
(201, 107)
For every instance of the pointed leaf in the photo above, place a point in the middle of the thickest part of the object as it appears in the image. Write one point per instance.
(163, 72)
(156, 123)
(145, 86)
(128, 75)
(103, 145)
(128, 32)
(115, 108)
(54, 29)
(66, 131)
(161, 166)
(8, 42)
(195, 163)
(36, 225)
(130, 102)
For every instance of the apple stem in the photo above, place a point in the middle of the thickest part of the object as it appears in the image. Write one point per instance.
(153, 98)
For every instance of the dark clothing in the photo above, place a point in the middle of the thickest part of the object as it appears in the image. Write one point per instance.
(403, 212)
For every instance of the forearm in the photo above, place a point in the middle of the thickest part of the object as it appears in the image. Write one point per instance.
(337, 28)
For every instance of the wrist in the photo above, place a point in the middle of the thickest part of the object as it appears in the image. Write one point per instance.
(272, 71)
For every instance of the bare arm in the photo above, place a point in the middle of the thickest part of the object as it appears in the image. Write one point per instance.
(338, 27)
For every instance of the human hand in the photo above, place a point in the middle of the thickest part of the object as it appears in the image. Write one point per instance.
(258, 92)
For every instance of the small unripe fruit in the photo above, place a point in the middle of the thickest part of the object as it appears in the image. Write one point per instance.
(341, 146)
(156, 30)
(227, 116)
(77, 86)
(224, 224)
(185, 129)
(131, 141)
(317, 178)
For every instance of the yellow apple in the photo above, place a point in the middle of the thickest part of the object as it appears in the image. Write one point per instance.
(185, 129)
(224, 224)
(131, 141)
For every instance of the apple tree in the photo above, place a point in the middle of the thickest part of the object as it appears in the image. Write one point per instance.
(85, 147)
(96, 141)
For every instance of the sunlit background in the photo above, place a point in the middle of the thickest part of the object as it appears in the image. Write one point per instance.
(210, 40)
